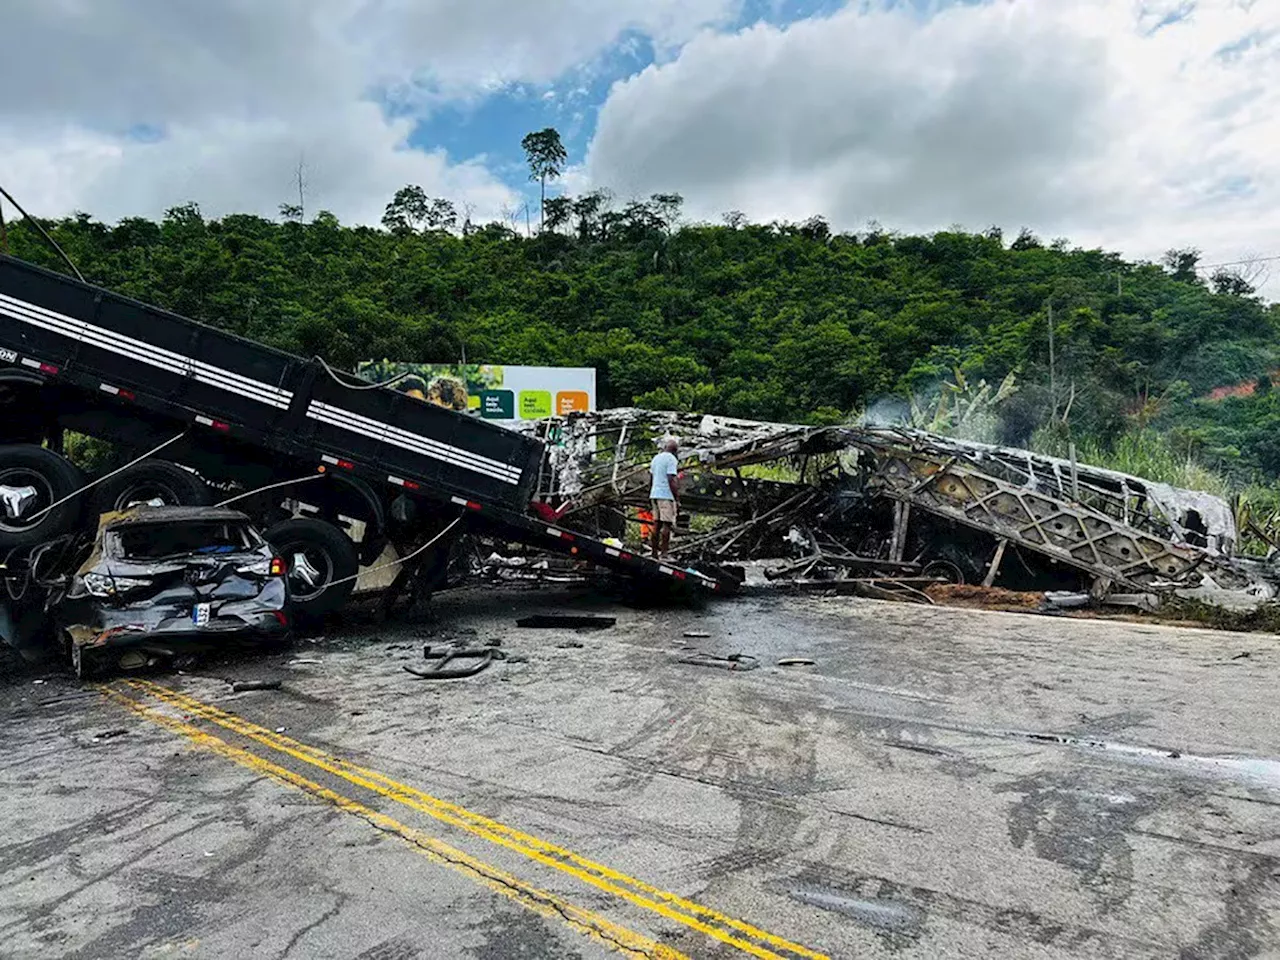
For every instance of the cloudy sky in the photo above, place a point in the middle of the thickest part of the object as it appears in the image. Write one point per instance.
(1138, 125)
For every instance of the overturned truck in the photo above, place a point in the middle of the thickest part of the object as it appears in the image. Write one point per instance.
(864, 502)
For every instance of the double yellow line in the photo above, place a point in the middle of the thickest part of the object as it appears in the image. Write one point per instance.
(736, 933)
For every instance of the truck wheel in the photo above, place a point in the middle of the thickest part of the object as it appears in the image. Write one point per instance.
(316, 554)
(148, 482)
(31, 479)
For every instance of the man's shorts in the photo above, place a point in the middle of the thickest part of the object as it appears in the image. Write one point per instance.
(664, 511)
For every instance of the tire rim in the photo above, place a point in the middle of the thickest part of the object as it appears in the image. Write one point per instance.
(310, 570)
(945, 570)
(145, 492)
(21, 479)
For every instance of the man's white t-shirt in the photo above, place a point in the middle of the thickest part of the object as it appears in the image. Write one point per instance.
(664, 465)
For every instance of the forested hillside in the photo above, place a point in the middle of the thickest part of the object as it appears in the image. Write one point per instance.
(780, 321)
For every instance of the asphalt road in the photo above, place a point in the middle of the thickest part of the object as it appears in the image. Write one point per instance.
(940, 783)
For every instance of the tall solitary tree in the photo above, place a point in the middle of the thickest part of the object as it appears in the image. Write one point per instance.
(546, 157)
(408, 209)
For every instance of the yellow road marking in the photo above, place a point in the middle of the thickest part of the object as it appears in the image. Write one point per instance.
(729, 930)
(599, 928)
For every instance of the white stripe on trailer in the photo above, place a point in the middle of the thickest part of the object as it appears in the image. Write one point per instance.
(160, 358)
(612, 552)
(85, 329)
(368, 423)
(336, 422)
(458, 500)
(396, 480)
(205, 420)
(359, 423)
(28, 362)
(328, 459)
(376, 430)
(385, 433)
(108, 388)
(145, 352)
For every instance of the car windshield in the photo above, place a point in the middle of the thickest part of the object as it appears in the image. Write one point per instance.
(152, 541)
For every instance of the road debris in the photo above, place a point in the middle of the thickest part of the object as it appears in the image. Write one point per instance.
(546, 621)
(881, 914)
(735, 661)
(796, 662)
(453, 663)
(242, 686)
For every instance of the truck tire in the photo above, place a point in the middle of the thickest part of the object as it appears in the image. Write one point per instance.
(31, 479)
(147, 481)
(315, 554)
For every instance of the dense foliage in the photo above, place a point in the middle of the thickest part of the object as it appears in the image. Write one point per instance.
(780, 321)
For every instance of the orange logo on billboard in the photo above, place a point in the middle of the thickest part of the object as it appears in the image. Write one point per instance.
(572, 401)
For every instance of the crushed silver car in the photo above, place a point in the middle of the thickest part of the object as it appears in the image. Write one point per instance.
(164, 581)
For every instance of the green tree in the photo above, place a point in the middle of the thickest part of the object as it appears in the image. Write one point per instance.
(546, 157)
(1182, 264)
(407, 211)
(557, 211)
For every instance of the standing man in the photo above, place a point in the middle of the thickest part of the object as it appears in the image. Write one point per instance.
(664, 495)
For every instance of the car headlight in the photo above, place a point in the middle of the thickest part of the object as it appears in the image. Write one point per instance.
(101, 585)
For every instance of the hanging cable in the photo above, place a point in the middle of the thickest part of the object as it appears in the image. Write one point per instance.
(53, 243)
(273, 486)
(352, 386)
(392, 563)
(107, 476)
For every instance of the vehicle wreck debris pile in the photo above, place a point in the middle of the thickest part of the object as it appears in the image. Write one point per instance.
(892, 505)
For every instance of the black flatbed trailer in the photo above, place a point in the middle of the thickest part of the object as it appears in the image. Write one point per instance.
(85, 359)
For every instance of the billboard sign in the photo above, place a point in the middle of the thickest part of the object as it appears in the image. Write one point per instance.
(491, 391)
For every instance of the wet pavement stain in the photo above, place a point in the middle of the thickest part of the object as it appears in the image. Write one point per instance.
(1245, 929)
(1084, 831)
(520, 936)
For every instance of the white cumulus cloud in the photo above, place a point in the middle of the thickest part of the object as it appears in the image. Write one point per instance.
(1135, 125)
(127, 107)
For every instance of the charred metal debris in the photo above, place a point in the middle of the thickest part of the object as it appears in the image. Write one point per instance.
(889, 511)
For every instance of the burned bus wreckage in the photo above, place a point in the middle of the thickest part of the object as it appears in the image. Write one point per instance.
(894, 508)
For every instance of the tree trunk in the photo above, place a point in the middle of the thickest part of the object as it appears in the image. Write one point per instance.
(542, 207)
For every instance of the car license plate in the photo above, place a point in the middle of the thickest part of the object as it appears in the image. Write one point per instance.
(200, 615)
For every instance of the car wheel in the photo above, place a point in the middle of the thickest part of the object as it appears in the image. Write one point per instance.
(32, 479)
(316, 555)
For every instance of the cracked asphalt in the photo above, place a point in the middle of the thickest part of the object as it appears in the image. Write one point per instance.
(940, 783)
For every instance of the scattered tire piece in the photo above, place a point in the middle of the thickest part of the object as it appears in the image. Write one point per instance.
(240, 686)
